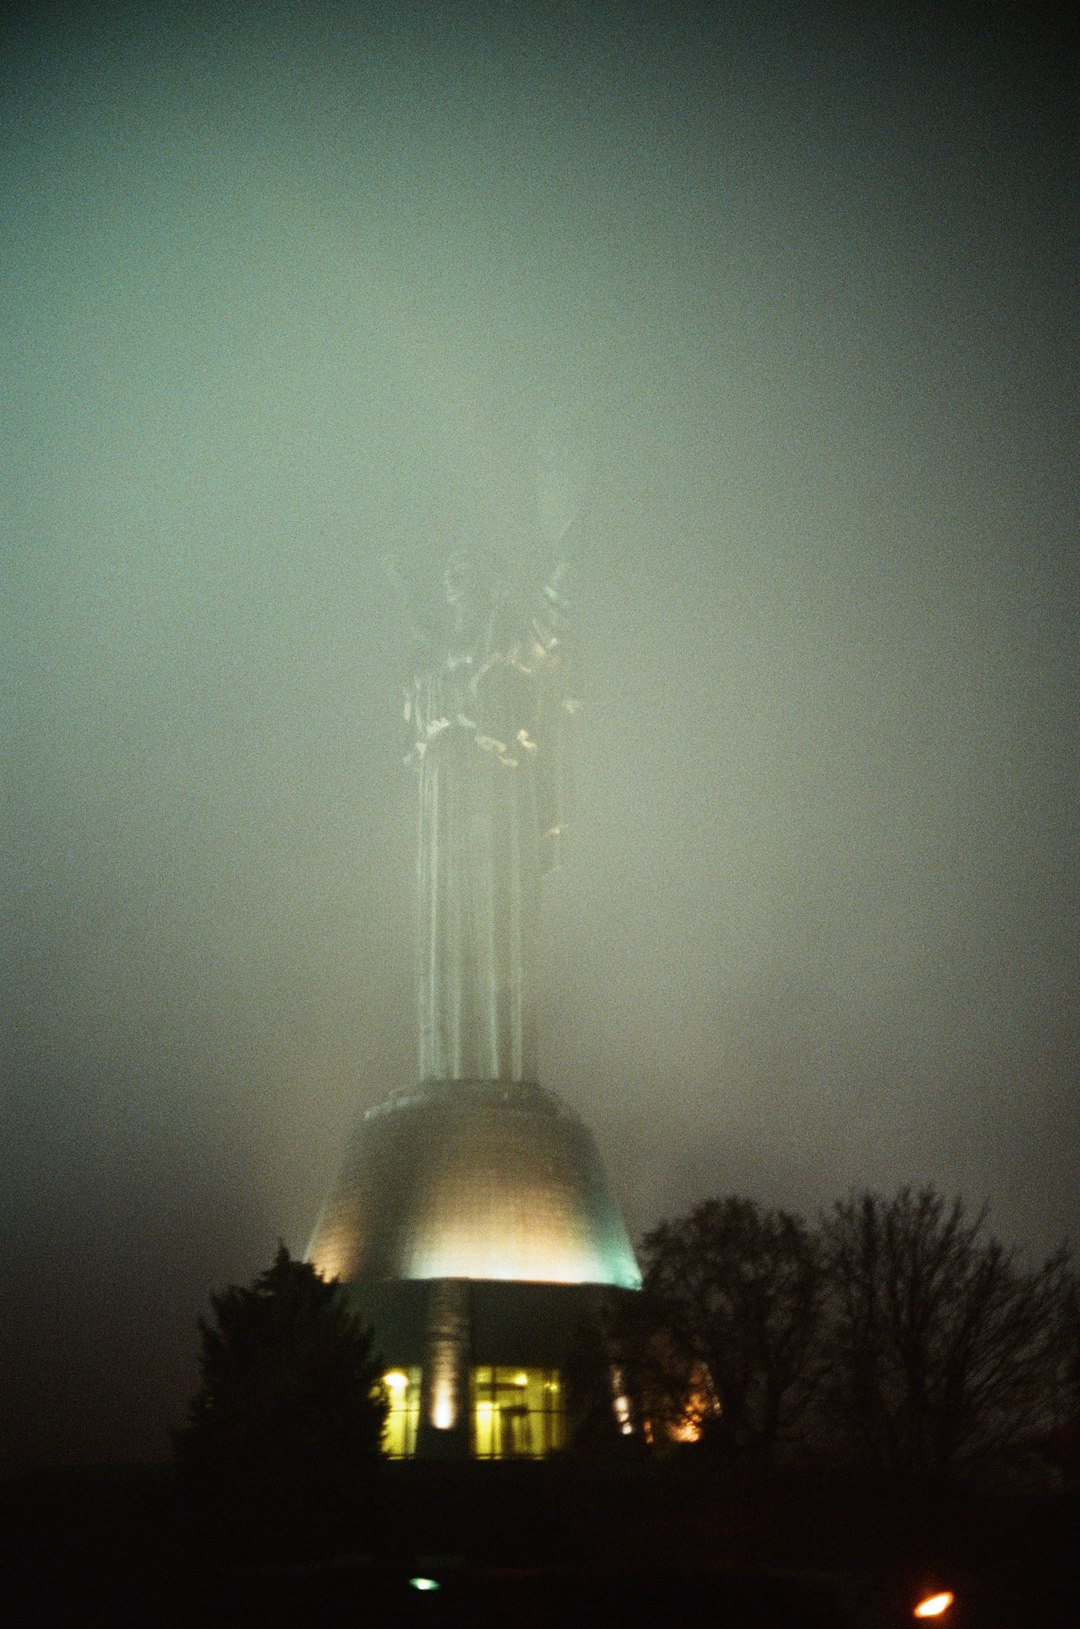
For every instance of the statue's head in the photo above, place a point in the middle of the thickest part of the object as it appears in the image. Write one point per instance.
(463, 579)
(472, 583)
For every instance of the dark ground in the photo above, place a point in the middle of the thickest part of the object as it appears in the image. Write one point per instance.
(620, 1541)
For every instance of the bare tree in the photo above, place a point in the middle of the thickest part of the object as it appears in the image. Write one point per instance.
(942, 1347)
(733, 1297)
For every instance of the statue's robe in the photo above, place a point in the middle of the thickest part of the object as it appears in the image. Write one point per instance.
(488, 730)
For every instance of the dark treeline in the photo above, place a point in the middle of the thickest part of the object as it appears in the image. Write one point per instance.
(833, 1418)
(895, 1336)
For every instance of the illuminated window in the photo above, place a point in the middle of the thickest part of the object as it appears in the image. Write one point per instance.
(624, 1415)
(517, 1413)
(403, 1394)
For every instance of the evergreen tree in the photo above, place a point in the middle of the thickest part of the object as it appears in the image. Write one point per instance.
(289, 1417)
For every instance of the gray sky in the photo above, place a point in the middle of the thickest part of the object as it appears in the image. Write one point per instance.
(786, 310)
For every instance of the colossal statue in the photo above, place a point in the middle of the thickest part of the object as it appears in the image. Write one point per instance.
(488, 707)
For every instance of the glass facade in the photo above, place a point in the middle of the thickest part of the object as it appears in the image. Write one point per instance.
(516, 1413)
(403, 1415)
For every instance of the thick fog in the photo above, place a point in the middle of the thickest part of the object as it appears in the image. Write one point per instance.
(782, 315)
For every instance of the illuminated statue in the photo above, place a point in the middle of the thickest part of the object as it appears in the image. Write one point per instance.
(488, 707)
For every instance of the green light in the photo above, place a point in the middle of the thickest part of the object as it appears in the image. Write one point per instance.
(424, 1583)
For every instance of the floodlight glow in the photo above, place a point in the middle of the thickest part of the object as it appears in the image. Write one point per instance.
(334, 1258)
(395, 1381)
(483, 1247)
(474, 1180)
(444, 1406)
(934, 1605)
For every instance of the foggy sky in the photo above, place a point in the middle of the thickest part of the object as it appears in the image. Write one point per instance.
(785, 310)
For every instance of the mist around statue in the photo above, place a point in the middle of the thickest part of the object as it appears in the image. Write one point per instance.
(764, 324)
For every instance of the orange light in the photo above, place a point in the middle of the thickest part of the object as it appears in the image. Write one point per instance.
(934, 1605)
(700, 1404)
(686, 1431)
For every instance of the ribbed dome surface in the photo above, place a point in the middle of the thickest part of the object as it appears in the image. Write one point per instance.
(475, 1180)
